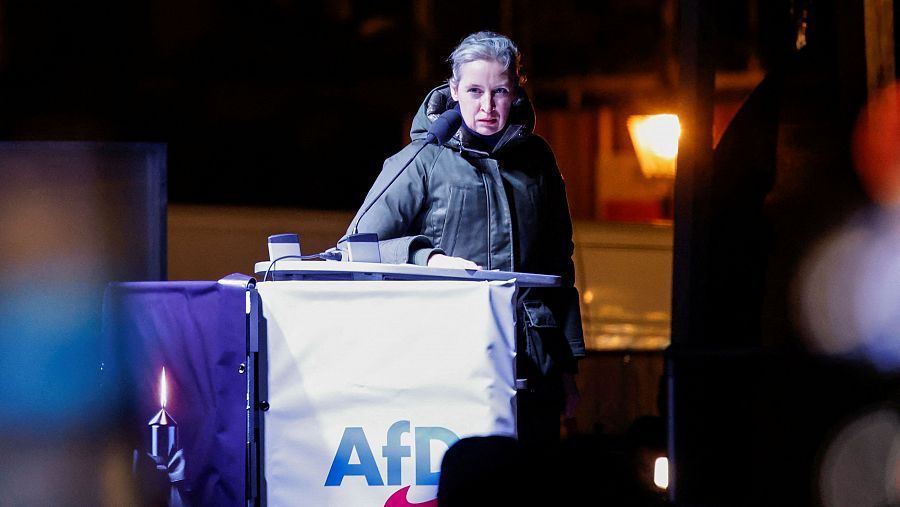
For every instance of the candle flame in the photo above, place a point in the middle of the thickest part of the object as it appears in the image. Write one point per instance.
(163, 389)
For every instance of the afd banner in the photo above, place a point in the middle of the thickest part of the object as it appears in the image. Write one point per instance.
(370, 382)
(173, 356)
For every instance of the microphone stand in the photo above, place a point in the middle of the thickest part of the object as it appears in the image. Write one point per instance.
(440, 132)
(385, 187)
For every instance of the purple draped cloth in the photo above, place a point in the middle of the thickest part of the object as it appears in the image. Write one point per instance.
(197, 331)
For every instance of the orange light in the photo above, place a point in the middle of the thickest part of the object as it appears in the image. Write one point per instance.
(655, 140)
(876, 146)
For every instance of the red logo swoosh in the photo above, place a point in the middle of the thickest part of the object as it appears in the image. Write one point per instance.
(398, 499)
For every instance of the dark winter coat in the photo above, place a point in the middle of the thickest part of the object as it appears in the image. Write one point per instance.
(503, 209)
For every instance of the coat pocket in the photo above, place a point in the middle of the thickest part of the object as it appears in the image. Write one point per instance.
(450, 230)
(545, 344)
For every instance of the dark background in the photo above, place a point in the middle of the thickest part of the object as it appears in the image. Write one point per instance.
(297, 103)
(290, 103)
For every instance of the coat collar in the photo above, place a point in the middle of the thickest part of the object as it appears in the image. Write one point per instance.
(439, 100)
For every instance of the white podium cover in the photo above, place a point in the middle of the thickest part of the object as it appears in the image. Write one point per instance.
(371, 381)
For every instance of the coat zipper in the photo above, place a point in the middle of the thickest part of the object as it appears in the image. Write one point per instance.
(487, 199)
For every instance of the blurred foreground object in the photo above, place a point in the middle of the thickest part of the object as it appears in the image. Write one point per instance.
(73, 217)
(860, 466)
(848, 290)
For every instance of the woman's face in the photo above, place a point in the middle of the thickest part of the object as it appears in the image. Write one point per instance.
(485, 93)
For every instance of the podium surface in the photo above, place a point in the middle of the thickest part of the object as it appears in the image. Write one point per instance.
(289, 269)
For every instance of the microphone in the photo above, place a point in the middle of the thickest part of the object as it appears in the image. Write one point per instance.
(444, 127)
(441, 130)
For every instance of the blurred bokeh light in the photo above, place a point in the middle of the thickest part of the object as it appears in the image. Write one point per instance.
(876, 146)
(849, 288)
(860, 464)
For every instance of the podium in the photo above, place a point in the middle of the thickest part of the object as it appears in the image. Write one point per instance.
(374, 370)
(347, 381)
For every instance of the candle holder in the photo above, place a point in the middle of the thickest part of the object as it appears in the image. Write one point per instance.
(163, 438)
(162, 475)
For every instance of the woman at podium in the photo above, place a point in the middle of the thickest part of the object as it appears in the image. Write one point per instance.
(490, 197)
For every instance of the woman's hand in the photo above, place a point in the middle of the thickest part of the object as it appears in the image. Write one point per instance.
(445, 261)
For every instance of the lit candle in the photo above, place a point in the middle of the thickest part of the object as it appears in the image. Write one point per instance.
(163, 429)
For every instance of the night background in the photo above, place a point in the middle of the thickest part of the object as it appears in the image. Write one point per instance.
(291, 103)
(275, 116)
